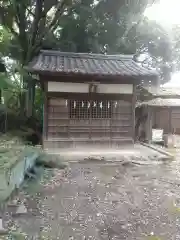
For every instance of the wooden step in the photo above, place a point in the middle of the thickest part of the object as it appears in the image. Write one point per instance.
(85, 142)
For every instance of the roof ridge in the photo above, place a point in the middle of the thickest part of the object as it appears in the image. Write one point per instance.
(88, 55)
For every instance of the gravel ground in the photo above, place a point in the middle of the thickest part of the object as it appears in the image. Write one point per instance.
(94, 201)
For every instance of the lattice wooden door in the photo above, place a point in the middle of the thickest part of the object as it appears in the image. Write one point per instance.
(89, 119)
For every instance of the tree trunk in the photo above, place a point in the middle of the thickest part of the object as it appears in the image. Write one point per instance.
(23, 97)
(0, 96)
(22, 100)
(27, 97)
(30, 97)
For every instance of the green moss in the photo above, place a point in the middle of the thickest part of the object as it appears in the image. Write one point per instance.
(14, 236)
(153, 238)
(12, 151)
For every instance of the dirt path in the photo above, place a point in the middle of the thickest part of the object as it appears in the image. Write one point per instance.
(100, 202)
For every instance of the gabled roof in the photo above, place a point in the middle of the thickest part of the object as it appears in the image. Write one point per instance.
(55, 62)
(163, 91)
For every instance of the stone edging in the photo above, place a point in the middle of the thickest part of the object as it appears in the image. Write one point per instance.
(157, 149)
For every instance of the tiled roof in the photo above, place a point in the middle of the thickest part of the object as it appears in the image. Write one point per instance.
(88, 64)
(161, 102)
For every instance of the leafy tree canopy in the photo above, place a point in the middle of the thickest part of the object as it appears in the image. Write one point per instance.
(102, 26)
(79, 25)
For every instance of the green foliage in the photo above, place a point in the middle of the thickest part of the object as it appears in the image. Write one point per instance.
(5, 38)
(38, 104)
(100, 27)
(114, 28)
(5, 82)
(30, 22)
(80, 26)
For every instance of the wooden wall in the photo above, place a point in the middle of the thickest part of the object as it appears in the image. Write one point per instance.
(161, 119)
(62, 130)
(62, 126)
(175, 120)
(167, 118)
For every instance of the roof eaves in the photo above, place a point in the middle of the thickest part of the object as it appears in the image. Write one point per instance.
(160, 102)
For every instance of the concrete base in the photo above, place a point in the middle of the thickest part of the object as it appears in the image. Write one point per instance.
(127, 152)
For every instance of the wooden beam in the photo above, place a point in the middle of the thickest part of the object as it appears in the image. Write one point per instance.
(87, 78)
(92, 96)
(45, 117)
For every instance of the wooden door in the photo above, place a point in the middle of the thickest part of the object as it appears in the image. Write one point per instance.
(89, 119)
(162, 119)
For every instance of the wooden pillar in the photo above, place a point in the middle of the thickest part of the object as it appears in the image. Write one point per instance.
(171, 130)
(133, 113)
(149, 124)
(45, 112)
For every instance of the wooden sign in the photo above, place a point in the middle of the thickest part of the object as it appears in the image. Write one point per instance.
(157, 135)
(92, 88)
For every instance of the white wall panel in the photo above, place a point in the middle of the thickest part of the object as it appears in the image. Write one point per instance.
(68, 87)
(84, 88)
(116, 88)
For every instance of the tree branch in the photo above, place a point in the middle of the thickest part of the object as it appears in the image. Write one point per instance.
(50, 28)
(30, 12)
(138, 22)
(37, 18)
(22, 30)
(60, 9)
(13, 32)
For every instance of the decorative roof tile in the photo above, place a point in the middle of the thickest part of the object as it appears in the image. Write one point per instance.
(88, 64)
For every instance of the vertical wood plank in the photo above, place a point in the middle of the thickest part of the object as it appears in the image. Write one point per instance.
(111, 124)
(45, 111)
(171, 130)
(90, 121)
(45, 115)
(149, 124)
(68, 113)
